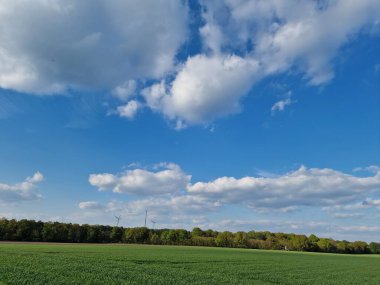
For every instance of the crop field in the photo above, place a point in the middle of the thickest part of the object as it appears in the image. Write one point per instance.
(145, 264)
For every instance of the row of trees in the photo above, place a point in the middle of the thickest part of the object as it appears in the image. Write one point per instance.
(30, 230)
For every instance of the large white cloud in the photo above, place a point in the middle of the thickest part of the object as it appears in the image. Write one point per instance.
(303, 187)
(189, 212)
(119, 46)
(169, 178)
(204, 89)
(270, 37)
(23, 191)
(47, 46)
(284, 34)
(347, 199)
(328, 189)
(162, 205)
(174, 204)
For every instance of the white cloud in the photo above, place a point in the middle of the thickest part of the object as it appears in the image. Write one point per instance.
(167, 210)
(303, 187)
(204, 89)
(286, 34)
(125, 91)
(90, 205)
(175, 201)
(358, 228)
(347, 215)
(103, 181)
(270, 37)
(371, 168)
(47, 46)
(280, 105)
(171, 205)
(23, 191)
(188, 212)
(328, 189)
(271, 225)
(212, 37)
(372, 202)
(358, 208)
(321, 228)
(37, 177)
(169, 178)
(346, 207)
(129, 110)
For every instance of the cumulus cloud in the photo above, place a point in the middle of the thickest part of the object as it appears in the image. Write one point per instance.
(303, 187)
(166, 204)
(286, 34)
(129, 110)
(371, 168)
(245, 41)
(212, 35)
(343, 196)
(37, 177)
(23, 191)
(184, 204)
(204, 89)
(168, 178)
(125, 91)
(47, 46)
(183, 212)
(329, 189)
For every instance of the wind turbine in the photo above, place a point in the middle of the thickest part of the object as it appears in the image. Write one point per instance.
(146, 214)
(153, 222)
(117, 220)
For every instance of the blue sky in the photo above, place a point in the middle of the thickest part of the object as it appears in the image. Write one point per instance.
(232, 115)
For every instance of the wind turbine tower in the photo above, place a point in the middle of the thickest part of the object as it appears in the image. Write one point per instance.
(117, 220)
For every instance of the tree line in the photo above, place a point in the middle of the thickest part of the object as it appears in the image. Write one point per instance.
(38, 231)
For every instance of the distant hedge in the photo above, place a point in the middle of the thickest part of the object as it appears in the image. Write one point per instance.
(38, 231)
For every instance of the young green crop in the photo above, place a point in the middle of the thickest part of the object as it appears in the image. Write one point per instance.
(145, 264)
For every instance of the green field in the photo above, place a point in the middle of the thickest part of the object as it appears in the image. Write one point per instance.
(145, 264)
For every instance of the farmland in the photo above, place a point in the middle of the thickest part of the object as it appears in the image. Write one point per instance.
(147, 264)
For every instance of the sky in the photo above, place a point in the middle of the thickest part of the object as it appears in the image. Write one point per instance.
(230, 115)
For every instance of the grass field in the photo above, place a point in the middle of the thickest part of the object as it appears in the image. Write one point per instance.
(144, 264)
